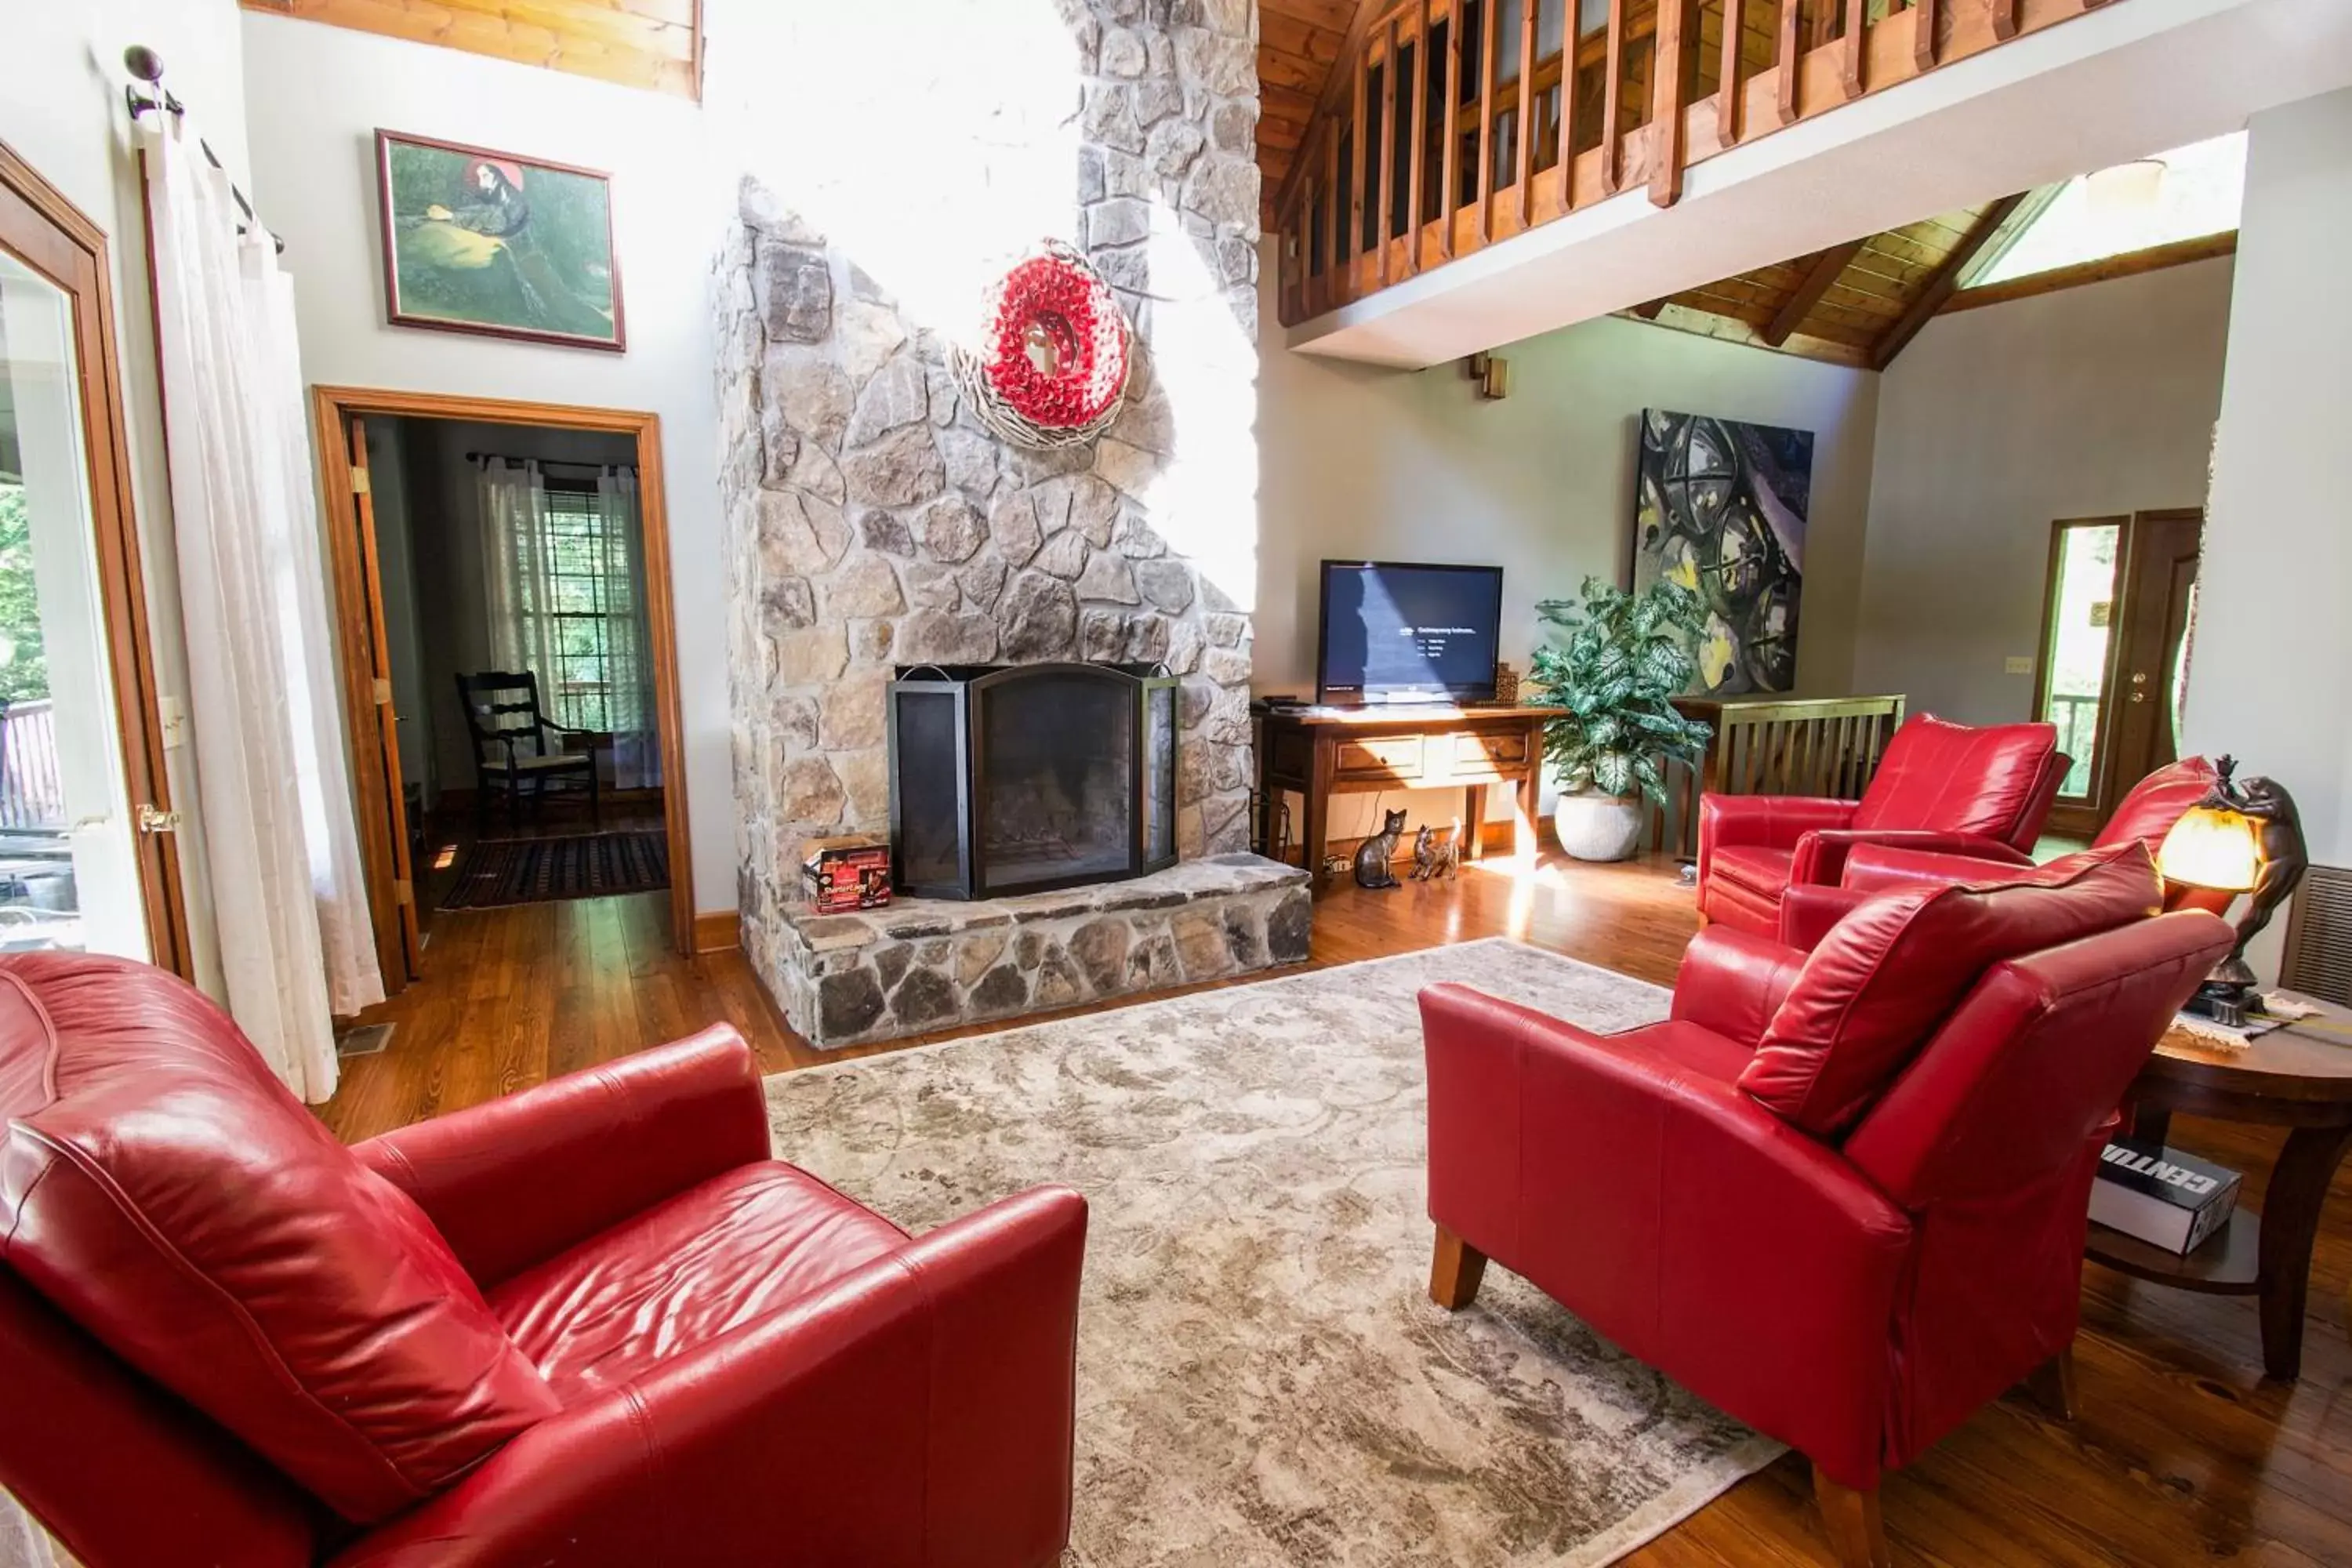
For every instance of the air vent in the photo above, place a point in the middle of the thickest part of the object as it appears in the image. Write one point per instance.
(2319, 937)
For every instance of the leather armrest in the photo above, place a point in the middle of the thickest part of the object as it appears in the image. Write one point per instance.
(918, 1409)
(1731, 982)
(1874, 867)
(516, 1181)
(1808, 911)
(1820, 857)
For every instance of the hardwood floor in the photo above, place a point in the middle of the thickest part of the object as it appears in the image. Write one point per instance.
(2183, 1454)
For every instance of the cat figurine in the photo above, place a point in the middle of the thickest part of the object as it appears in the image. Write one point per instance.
(1372, 856)
(1434, 858)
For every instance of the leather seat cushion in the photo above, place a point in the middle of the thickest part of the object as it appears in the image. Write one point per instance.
(1695, 1048)
(1956, 778)
(1752, 867)
(163, 1190)
(1864, 1003)
(724, 1253)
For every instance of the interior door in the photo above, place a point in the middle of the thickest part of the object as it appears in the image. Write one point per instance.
(400, 948)
(86, 858)
(2114, 626)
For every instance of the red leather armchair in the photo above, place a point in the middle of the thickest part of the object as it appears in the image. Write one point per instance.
(2147, 814)
(592, 1323)
(1940, 786)
(1854, 1292)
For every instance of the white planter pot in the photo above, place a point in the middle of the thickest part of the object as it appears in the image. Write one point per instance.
(1594, 826)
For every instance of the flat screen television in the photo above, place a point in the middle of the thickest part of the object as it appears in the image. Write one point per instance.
(1396, 631)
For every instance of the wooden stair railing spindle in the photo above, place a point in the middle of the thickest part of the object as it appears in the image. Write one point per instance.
(1729, 81)
(1613, 70)
(1670, 72)
(1523, 129)
(1449, 152)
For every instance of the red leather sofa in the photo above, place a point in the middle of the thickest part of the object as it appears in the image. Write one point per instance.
(1940, 786)
(1842, 1195)
(591, 1323)
(2147, 814)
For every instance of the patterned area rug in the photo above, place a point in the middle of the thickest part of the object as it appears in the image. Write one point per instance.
(1262, 1379)
(499, 871)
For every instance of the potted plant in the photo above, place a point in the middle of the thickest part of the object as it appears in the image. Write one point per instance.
(1617, 663)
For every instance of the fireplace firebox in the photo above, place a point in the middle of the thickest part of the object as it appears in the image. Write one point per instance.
(1024, 778)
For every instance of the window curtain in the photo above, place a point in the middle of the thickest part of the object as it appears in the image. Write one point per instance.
(629, 660)
(272, 775)
(521, 597)
(518, 572)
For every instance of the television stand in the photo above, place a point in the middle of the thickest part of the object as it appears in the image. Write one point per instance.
(1323, 752)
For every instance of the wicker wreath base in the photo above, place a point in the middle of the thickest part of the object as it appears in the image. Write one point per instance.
(975, 379)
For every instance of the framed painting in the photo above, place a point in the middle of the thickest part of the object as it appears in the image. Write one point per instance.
(478, 241)
(1719, 506)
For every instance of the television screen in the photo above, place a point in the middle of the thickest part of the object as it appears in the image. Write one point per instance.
(1395, 632)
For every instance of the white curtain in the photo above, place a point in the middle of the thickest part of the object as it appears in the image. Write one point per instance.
(603, 572)
(629, 659)
(295, 939)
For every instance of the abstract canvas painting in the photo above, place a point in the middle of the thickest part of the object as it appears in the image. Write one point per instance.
(1719, 506)
(476, 241)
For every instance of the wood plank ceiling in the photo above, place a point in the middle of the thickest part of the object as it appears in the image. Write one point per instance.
(1298, 42)
(1857, 303)
(654, 44)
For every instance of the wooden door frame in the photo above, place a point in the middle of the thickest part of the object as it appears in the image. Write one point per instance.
(331, 408)
(88, 279)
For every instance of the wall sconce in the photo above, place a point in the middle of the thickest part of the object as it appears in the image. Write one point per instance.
(1491, 372)
(2241, 838)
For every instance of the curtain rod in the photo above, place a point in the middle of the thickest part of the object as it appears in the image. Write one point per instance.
(148, 66)
(546, 462)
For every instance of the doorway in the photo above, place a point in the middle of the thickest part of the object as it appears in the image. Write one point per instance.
(503, 586)
(86, 824)
(2115, 642)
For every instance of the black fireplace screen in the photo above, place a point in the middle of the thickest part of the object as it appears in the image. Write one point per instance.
(1032, 778)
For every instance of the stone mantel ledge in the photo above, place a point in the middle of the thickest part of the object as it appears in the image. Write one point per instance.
(922, 964)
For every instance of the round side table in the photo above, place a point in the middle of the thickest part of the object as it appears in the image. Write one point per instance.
(2298, 1078)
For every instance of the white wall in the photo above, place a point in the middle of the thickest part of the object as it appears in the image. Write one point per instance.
(1413, 465)
(2274, 641)
(1996, 422)
(61, 108)
(328, 90)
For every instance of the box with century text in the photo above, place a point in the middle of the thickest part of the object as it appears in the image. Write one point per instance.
(846, 873)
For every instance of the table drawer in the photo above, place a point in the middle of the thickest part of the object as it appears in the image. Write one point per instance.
(1490, 754)
(1379, 757)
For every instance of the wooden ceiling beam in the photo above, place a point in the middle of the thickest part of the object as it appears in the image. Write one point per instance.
(1823, 270)
(1931, 298)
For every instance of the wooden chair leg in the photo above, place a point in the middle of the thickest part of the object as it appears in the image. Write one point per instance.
(2052, 1386)
(1857, 1537)
(1455, 1271)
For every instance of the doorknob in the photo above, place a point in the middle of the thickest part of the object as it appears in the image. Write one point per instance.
(153, 821)
(2139, 678)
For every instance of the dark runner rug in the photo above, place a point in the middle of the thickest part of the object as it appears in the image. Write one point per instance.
(499, 871)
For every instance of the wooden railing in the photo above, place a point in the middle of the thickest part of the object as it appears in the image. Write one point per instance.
(31, 793)
(1775, 746)
(1420, 152)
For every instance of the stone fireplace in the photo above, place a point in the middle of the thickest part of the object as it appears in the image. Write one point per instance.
(875, 526)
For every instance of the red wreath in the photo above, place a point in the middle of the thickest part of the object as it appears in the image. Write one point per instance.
(1055, 308)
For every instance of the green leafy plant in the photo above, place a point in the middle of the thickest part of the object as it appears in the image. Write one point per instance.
(1619, 659)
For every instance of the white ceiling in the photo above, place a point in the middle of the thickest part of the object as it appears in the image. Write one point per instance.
(2131, 78)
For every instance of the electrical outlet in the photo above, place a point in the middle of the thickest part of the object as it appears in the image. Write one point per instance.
(2017, 664)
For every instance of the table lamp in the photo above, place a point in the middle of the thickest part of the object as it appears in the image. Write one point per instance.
(2241, 838)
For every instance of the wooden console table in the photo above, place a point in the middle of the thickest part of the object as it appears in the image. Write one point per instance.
(1324, 752)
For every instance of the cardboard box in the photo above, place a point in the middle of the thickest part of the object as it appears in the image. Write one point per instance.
(2163, 1196)
(846, 873)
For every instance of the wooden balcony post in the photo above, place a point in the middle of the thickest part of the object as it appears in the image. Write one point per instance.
(1419, 87)
(1489, 30)
(1388, 150)
(1730, 103)
(1449, 153)
(1850, 56)
(1670, 77)
(1613, 67)
(1522, 153)
(1356, 181)
(1923, 35)
(1785, 56)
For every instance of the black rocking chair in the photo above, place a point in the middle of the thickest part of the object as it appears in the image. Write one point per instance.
(511, 749)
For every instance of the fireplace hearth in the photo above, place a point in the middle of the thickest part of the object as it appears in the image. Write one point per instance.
(1029, 778)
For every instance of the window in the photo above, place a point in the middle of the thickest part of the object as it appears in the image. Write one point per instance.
(591, 598)
(2186, 194)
